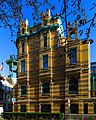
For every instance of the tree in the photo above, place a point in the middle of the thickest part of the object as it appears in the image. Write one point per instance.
(73, 10)
(11, 12)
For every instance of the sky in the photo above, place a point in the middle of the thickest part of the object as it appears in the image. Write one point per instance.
(8, 48)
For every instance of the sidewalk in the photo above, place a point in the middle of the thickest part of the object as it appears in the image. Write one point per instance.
(1, 119)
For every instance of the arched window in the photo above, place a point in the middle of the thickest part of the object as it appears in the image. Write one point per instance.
(73, 86)
(23, 31)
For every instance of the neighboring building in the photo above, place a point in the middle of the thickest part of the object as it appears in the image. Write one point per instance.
(93, 79)
(7, 84)
(5, 94)
(52, 70)
(12, 63)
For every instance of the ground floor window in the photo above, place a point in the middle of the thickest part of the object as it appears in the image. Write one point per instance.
(62, 108)
(86, 108)
(46, 108)
(23, 108)
(94, 108)
(74, 108)
(10, 107)
(1, 95)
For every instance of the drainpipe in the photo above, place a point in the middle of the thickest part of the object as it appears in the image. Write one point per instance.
(93, 82)
(89, 74)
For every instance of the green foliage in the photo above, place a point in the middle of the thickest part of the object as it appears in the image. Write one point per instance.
(61, 116)
(32, 116)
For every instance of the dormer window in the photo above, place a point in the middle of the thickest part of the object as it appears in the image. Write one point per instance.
(23, 31)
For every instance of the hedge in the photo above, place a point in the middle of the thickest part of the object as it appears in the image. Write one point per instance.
(32, 116)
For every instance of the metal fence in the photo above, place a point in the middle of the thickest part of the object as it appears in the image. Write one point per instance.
(80, 117)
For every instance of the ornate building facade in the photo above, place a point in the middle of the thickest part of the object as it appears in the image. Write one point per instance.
(52, 69)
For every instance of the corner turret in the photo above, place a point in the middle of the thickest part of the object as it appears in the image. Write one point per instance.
(23, 27)
(72, 30)
(46, 18)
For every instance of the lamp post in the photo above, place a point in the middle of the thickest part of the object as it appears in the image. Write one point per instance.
(13, 101)
(69, 108)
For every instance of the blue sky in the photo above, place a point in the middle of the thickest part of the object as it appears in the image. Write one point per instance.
(7, 47)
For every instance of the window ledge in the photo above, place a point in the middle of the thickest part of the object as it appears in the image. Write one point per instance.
(22, 54)
(72, 92)
(45, 48)
(22, 95)
(73, 63)
(45, 69)
(45, 95)
(22, 73)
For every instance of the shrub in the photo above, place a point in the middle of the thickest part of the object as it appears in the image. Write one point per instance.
(33, 116)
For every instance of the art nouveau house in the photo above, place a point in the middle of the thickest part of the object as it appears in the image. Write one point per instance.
(52, 69)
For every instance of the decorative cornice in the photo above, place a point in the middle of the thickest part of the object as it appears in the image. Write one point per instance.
(44, 28)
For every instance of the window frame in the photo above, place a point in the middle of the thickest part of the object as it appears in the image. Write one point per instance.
(23, 90)
(45, 87)
(85, 108)
(94, 108)
(23, 46)
(62, 108)
(45, 40)
(47, 108)
(1, 95)
(73, 83)
(72, 61)
(45, 62)
(21, 108)
(23, 68)
(74, 108)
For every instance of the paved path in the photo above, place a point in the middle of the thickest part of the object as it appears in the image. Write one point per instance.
(1, 118)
